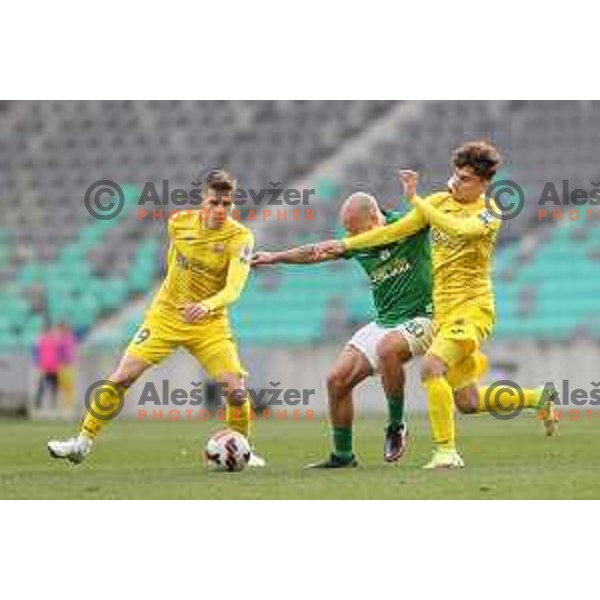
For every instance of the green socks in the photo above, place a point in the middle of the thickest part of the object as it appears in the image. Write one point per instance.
(342, 436)
(396, 410)
(342, 442)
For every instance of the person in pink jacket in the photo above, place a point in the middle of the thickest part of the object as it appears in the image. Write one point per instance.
(48, 360)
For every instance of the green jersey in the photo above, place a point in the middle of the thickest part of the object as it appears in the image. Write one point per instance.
(400, 275)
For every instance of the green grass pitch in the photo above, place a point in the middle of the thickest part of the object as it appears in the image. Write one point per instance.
(161, 460)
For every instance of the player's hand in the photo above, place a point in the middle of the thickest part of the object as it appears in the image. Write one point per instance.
(192, 313)
(263, 258)
(409, 180)
(329, 249)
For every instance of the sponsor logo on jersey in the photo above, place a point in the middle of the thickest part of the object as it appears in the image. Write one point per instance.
(393, 269)
(190, 264)
(486, 217)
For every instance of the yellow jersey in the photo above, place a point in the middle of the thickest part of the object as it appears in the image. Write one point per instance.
(462, 241)
(204, 265)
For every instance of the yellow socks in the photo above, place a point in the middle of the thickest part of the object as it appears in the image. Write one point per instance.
(238, 417)
(440, 403)
(506, 398)
(105, 405)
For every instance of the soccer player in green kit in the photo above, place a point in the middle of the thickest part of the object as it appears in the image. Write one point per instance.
(400, 275)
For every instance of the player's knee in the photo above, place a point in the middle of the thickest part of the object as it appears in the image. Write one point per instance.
(337, 384)
(128, 371)
(432, 366)
(465, 406)
(233, 389)
(391, 348)
(466, 402)
(237, 396)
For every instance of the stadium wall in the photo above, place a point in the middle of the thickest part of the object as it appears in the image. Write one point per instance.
(528, 363)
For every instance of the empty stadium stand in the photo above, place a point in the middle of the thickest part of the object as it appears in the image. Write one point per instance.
(57, 262)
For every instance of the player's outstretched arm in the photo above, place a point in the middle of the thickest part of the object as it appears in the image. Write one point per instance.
(380, 236)
(471, 227)
(300, 255)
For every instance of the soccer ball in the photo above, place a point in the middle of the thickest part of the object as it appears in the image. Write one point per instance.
(227, 450)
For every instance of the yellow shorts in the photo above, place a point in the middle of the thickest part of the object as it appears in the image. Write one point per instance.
(457, 342)
(211, 343)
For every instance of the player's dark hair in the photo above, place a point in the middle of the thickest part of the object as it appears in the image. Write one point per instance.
(219, 180)
(481, 156)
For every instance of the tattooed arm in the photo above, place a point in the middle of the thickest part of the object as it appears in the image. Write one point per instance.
(301, 255)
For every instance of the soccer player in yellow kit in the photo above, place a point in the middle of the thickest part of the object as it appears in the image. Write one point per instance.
(208, 265)
(463, 233)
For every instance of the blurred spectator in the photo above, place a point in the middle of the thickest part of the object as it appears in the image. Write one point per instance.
(48, 361)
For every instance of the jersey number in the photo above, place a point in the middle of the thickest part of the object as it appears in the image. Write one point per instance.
(415, 329)
(141, 336)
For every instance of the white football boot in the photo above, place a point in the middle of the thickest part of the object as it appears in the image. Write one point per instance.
(74, 449)
(256, 461)
(445, 459)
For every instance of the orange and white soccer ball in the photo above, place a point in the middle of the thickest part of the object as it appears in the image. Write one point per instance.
(227, 450)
